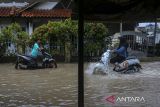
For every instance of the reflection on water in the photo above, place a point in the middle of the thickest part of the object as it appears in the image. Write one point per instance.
(38, 88)
(143, 84)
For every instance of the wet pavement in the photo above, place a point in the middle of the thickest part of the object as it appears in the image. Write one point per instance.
(144, 84)
(38, 88)
(58, 87)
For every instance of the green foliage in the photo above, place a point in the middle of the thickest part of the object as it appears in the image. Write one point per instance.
(63, 30)
(58, 33)
(95, 34)
(65, 33)
(14, 33)
(22, 38)
(58, 29)
(40, 32)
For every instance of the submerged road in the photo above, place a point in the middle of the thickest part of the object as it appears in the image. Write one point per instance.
(145, 86)
(58, 87)
(38, 88)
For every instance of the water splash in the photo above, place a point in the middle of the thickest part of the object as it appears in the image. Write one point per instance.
(90, 68)
(97, 68)
(100, 67)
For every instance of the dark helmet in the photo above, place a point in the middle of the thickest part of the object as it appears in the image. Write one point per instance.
(123, 40)
(122, 37)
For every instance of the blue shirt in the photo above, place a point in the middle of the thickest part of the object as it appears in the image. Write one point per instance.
(122, 51)
(35, 51)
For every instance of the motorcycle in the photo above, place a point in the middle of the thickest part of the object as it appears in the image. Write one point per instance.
(103, 65)
(130, 64)
(27, 62)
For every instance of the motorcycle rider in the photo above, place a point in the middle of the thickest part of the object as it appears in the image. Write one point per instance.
(35, 50)
(121, 51)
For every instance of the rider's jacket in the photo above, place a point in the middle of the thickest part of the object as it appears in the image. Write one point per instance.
(122, 51)
(35, 51)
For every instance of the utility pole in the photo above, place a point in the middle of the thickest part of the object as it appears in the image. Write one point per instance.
(80, 54)
(121, 27)
(155, 32)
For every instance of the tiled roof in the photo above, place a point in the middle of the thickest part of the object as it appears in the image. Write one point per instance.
(64, 13)
(6, 12)
(55, 13)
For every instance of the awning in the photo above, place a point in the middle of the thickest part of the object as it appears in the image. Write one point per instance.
(121, 10)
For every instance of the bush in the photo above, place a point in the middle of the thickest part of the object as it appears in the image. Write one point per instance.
(62, 37)
(94, 38)
(15, 35)
(58, 33)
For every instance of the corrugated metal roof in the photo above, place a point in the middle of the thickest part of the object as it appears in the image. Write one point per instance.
(14, 4)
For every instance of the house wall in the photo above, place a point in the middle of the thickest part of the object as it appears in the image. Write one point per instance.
(7, 21)
(4, 23)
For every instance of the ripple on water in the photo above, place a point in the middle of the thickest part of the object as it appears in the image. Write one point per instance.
(63, 104)
(3, 84)
(30, 105)
(33, 88)
(1, 102)
(12, 105)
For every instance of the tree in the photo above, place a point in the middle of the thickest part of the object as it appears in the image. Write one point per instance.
(68, 31)
(15, 35)
(2, 46)
(94, 38)
(64, 33)
(22, 40)
(40, 32)
(58, 32)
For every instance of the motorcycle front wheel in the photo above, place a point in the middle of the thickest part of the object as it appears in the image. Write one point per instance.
(136, 68)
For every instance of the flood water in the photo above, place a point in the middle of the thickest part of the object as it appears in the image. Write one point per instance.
(38, 88)
(58, 87)
(144, 84)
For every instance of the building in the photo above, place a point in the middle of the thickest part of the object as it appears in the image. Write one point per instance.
(31, 14)
(150, 31)
(116, 27)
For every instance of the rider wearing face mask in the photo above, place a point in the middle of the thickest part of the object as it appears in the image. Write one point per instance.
(121, 51)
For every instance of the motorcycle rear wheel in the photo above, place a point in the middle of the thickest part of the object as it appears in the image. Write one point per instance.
(136, 68)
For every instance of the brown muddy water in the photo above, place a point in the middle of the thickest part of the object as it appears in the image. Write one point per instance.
(38, 88)
(145, 85)
(58, 87)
